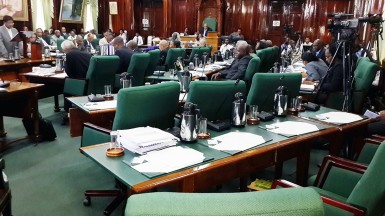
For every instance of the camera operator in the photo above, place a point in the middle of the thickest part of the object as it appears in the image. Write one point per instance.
(333, 81)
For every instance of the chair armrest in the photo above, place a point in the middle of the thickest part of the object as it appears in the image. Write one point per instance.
(376, 138)
(341, 162)
(93, 134)
(75, 87)
(283, 183)
(344, 206)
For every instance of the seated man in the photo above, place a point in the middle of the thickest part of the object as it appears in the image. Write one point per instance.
(89, 41)
(163, 47)
(108, 37)
(235, 36)
(132, 45)
(238, 68)
(56, 36)
(77, 62)
(124, 54)
(79, 43)
(138, 39)
(226, 46)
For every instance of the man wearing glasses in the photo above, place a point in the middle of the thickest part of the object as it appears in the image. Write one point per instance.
(7, 32)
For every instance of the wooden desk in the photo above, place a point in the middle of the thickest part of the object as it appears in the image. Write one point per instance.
(53, 86)
(12, 70)
(353, 132)
(222, 168)
(20, 101)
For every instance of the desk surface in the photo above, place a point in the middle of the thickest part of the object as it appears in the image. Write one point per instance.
(26, 61)
(223, 167)
(17, 87)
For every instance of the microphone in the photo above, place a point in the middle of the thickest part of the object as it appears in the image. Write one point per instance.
(217, 125)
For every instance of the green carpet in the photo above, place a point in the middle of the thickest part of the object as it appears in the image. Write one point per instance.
(50, 178)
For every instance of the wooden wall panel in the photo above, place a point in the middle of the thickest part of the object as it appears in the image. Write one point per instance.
(184, 15)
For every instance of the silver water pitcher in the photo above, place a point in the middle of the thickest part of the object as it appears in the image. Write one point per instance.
(280, 101)
(238, 117)
(188, 128)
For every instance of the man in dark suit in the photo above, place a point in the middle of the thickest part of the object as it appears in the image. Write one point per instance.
(205, 30)
(319, 50)
(124, 54)
(238, 68)
(89, 41)
(163, 47)
(77, 62)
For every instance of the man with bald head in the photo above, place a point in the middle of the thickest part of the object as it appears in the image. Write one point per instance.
(124, 54)
(132, 45)
(55, 37)
(319, 50)
(238, 68)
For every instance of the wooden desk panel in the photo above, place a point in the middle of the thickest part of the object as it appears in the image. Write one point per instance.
(78, 117)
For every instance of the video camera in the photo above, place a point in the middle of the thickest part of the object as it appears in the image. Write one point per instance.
(341, 28)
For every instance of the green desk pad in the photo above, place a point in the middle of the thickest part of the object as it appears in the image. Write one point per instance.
(312, 114)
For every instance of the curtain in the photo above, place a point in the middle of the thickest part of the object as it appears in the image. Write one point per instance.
(94, 14)
(47, 9)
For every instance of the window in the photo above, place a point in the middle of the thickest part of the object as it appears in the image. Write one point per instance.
(40, 19)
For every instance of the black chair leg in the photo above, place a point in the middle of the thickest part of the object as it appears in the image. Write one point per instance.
(114, 204)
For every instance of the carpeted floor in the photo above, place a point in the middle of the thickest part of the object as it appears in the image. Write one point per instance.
(49, 179)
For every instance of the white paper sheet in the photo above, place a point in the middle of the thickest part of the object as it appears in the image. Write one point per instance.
(307, 87)
(60, 75)
(169, 159)
(237, 141)
(100, 105)
(292, 128)
(339, 117)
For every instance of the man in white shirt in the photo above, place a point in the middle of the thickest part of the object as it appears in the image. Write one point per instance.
(226, 46)
(106, 39)
(7, 32)
(72, 35)
(138, 39)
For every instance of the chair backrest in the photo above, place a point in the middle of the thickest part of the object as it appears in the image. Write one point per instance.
(58, 43)
(172, 56)
(282, 202)
(252, 68)
(268, 56)
(264, 85)
(364, 74)
(154, 59)
(211, 23)
(214, 98)
(369, 192)
(101, 72)
(138, 66)
(153, 105)
(199, 51)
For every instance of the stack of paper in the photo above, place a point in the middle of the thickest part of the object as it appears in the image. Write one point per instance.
(43, 71)
(237, 141)
(169, 159)
(100, 105)
(144, 139)
(307, 87)
(292, 128)
(338, 117)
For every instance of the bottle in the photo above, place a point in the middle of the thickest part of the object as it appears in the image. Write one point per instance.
(47, 54)
(16, 52)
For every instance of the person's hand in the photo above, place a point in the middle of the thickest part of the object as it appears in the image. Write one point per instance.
(382, 114)
(308, 82)
(304, 74)
(216, 76)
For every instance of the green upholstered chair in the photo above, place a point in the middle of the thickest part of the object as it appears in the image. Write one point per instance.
(59, 42)
(214, 98)
(199, 51)
(268, 57)
(351, 185)
(285, 202)
(47, 39)
(264, 85)
(154, 59)
(101, 72)
(252, 68)
(153, 105)
(137, 68)
(211, 23)
(364, 75)
(172, 56)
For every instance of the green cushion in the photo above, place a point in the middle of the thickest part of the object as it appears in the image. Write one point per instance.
(199, 51)
(364, 74)
(214, 98)
(74, 87)
(252, 68)
(154, 59)
(285, 202)
(268, 57)
(329, 194)
(101, 72)
(137, 68)
(92, 137)
(370, 190)
(172, 56)
(59, 42)
(264, 85)
(153, 105)
(367, 153)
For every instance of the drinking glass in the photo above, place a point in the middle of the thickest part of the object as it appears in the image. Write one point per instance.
(293, 110)
(11, 57)
(107, 90)
(202, 130)
(114, 140)
(253, 111)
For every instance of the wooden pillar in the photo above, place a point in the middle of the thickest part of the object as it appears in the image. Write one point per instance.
(167, 10)
(219, 18)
